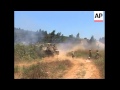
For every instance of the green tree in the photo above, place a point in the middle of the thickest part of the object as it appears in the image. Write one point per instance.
(78, 36)
(92, 39)
(52, 35)
(71, 36)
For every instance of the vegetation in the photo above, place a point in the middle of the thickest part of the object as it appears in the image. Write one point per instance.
(42, 36)
(48, 70)
(27, 52)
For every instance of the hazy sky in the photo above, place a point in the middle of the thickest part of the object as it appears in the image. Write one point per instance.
(66, 22)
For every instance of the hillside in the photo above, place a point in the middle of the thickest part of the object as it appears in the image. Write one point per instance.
(61, 67)
(31, 62)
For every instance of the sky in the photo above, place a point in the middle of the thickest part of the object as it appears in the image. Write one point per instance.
(66, 22)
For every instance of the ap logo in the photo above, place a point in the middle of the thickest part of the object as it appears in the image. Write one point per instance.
(98, 16)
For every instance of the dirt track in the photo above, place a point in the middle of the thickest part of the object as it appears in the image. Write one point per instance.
(82, 69)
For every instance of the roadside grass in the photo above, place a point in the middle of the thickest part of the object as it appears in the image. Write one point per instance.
(51, 70)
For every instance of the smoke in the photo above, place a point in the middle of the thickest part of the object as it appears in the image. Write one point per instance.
(83, 44)
(26, 37)
(30, 37)
(101, 45)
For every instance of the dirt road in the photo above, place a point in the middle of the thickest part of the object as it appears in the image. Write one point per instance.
(82, 69)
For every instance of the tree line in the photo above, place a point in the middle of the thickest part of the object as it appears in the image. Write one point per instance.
(42, 36)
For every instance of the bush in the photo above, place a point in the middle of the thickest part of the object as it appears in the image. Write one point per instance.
(49, 70)
(100, 63)
(16, 69)
(27, 52)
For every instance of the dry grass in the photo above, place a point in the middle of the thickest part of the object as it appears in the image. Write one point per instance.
(100, 63)
(48, 70)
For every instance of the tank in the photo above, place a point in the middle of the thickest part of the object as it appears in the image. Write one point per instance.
(50, 50)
